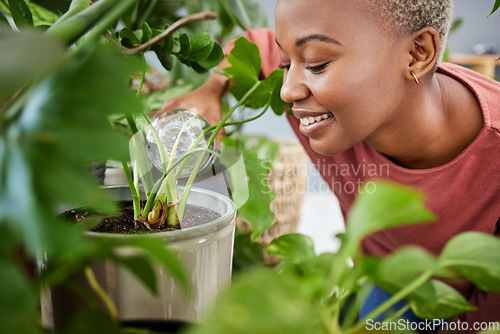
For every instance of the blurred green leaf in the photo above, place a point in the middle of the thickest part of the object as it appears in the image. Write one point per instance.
(255, 185)
(19, 64)
(476, 256)
(201, 46)
(263, 302)
(19, 300)
(388, 205)
(21, 13)
(292, 248)
(449, 303)
(247, 253)
(142, 269)
(91, 320)
(159, 251)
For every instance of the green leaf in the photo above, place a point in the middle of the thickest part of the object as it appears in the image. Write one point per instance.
(201, 46)
(185, 45)
(19, 306)
(159, 251)
(62, 127)
(142, 269)
(495, 7)
(449, 303)
(213, 58)
(41, 16)
(383, 204)
(262, 301)
(292, 248)
(245, 66)
(19, 64)
(21, 14)
(147, 33)
(476, 256)
(165, 59)
(399, 270)
(129, 38)
(250, 182)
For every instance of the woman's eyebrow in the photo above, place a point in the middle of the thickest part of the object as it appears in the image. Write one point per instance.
(321, 38)
(317, 37)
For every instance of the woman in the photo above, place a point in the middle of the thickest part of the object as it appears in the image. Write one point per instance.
(369, 94)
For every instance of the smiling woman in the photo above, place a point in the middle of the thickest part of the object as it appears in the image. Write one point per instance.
(367, 88)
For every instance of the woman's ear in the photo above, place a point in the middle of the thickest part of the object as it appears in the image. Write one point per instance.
(423, 52)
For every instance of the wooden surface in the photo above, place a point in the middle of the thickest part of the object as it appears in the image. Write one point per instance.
(484, 64)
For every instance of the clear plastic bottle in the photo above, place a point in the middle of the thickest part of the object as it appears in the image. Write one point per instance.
(185, 127)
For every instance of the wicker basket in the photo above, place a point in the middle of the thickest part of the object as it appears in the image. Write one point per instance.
(288, 180)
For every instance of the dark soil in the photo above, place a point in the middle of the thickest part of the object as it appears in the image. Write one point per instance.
(124, 222)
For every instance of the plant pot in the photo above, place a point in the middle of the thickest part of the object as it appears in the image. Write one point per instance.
(205, 250)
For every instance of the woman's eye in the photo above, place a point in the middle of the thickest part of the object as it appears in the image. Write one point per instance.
(318, 68)
(286, 67)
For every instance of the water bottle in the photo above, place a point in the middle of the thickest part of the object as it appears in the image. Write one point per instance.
(184, 127)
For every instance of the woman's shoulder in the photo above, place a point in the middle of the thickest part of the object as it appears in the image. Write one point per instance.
(486, 90)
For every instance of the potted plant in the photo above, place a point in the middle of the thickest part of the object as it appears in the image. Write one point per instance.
(56, 106)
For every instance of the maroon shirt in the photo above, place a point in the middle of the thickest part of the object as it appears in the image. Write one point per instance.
(464, 193)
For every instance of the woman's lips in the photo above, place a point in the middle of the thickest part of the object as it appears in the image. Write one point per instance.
(309, 125)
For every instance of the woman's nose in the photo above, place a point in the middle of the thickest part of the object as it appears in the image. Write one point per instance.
(294, 87)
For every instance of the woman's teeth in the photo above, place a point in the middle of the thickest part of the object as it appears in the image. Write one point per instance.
(311, 120)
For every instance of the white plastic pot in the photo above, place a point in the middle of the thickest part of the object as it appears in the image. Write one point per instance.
(205, 250)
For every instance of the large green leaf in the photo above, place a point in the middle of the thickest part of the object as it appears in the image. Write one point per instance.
(382, 205)
(19, 64)
(476, 256)
(245, 66)
(244, 74)
(449, 303)
(49, 143)
(201, 46)
(293, 248)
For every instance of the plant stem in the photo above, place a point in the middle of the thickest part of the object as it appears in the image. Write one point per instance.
(175, 26)
(80, 21)
(135, 195)
(196, 168)
(94, 284)
(110, 19)
(393, 300)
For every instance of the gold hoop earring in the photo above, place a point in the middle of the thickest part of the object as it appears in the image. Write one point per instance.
(415, 77)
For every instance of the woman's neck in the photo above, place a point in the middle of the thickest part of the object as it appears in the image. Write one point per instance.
(435, 122)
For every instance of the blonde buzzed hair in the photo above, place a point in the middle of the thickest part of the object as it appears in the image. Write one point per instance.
(409, 16)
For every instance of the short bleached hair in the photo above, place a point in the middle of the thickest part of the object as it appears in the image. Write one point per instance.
(409, 16)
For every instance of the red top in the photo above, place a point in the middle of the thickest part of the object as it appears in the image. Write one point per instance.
(464, 193)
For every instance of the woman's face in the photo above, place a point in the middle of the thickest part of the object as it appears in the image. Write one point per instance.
(344, 73)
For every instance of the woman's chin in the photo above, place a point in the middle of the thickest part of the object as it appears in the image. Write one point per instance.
(325, 148)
